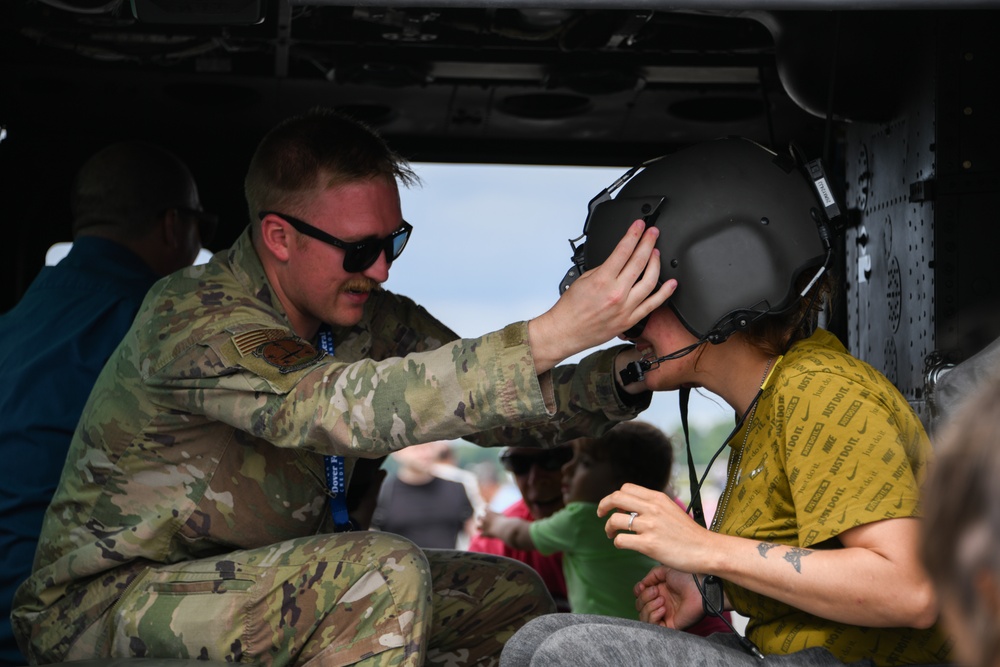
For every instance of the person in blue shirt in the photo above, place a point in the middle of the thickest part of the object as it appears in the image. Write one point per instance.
(137, 217)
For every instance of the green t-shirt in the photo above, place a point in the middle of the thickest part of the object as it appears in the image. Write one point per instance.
(833, 445)
(599, 576)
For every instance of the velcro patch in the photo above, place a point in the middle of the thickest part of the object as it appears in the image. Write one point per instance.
(278, 349)
(288, 354)
(513, 335)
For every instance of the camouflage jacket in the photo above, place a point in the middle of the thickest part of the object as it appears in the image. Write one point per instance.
(205, 432)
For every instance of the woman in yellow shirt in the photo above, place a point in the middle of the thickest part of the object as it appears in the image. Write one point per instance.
(816, 533)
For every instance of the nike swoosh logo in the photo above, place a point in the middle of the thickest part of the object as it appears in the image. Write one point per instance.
(805, 417)
(853, 473)
(864, 427)
(900, 503)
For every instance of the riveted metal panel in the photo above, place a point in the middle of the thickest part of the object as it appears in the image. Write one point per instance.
(889, 252)
(922, 283)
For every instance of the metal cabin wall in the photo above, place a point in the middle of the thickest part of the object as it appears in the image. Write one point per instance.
(888, 275)
(921, 276)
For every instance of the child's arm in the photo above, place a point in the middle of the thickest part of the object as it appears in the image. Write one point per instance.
(513, 531)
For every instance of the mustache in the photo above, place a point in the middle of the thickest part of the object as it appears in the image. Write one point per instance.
(361, 284)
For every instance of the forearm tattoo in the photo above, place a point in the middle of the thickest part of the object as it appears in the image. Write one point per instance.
(794, 555)
(764, 547)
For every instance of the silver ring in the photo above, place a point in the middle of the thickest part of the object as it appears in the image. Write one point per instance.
(631, 518)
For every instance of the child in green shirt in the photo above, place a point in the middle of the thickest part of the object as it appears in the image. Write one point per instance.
(599, 577)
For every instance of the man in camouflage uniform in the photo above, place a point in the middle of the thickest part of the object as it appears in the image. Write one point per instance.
(191, 519)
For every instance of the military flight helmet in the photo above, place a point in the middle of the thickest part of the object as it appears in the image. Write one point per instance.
(738, 225)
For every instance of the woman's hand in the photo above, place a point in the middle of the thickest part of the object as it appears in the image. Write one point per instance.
(835, 584)
(661, 529)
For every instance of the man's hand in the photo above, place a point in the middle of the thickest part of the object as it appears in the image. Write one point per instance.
(603, 302)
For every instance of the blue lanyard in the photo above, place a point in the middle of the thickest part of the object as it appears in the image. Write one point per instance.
(335, 464)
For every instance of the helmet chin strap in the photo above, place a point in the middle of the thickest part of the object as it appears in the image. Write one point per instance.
(636, 370)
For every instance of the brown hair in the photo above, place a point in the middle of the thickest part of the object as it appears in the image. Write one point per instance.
(292, 158)
(774, 334)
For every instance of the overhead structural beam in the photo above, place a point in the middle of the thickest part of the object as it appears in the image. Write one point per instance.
(652, 74)
(667, 5)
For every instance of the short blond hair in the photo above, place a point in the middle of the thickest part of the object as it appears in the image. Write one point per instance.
(320, 148)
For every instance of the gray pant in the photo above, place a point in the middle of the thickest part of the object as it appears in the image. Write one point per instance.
(575, 640)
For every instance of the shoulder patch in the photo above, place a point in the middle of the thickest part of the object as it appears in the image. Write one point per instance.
(288, 354)
(248, 341)
(278, 349)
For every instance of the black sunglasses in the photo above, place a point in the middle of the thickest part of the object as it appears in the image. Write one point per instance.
(546, 459)
(359, 255)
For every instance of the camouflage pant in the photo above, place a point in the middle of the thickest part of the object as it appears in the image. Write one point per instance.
(364, 598)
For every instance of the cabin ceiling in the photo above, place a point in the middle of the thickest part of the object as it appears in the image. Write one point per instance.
(583, 84)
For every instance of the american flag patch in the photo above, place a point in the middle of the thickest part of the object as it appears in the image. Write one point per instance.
(249, 341)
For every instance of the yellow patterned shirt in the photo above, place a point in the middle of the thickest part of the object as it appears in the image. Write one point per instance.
(832, 445)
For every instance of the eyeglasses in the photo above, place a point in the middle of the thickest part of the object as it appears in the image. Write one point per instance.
(546, 459)
(359, 255)
(207, 222)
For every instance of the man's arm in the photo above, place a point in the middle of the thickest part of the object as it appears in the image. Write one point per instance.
(280, 389)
